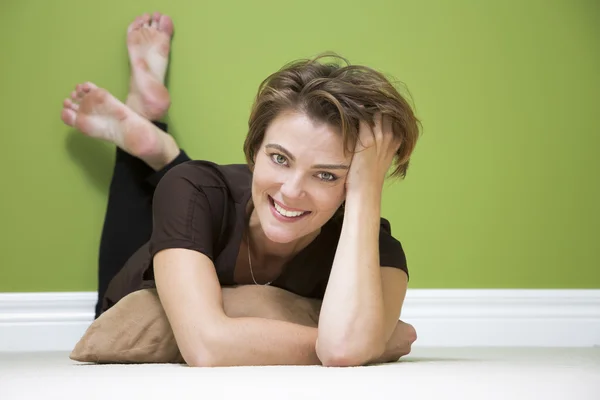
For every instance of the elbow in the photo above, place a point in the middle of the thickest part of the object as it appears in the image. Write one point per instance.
(203, 355)
(348, 354)
(206, 357)
(202, 360)
(345, 358)
(207, 351)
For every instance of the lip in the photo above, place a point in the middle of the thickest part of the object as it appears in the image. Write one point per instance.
(282, 218)
(286, 207)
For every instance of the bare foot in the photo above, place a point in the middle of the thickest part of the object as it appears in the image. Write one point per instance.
(98, 114)
(148, 42)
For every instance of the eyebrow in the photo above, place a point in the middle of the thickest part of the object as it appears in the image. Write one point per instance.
(316, 166)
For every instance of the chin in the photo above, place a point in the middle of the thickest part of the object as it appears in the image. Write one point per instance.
(278, 234)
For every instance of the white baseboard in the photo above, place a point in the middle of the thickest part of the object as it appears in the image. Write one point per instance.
(442, 317)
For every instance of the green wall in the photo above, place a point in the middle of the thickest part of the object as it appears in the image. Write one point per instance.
(503, 191)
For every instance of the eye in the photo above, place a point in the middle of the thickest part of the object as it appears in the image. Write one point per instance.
(278, 159)
(327, 176)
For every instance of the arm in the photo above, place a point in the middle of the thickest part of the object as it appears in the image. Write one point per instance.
(362, 301)
(190, 293)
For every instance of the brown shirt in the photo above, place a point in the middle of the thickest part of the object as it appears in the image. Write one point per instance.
(202, 206)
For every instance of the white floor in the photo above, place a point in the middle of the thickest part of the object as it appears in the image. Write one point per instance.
(428, 373)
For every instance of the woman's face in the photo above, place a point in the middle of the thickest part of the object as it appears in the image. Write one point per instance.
(299, 177)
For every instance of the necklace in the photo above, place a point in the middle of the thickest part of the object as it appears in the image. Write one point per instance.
(250, 263)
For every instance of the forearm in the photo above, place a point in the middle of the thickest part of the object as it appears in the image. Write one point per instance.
(352, 314)
(259, 341)
(257, 307)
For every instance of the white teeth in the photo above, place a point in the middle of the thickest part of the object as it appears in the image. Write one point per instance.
(286, 213)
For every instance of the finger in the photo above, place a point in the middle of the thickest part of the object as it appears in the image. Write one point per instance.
(387, 124)
(377, 121)
(388, 130)
(365, 133)
(377, 131)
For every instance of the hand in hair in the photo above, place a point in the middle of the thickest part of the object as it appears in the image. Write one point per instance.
(373, 156)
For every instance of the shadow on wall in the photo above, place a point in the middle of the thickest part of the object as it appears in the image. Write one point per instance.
(96, 159)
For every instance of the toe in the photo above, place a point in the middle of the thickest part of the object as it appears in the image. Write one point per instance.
(139, 22)
(74, 94)
(80, 93)
(135, 26)
(68, 116)
(132, 26)
(155, 19)
(166, 24)
(146, 20)
(86, 87)
(69, 104)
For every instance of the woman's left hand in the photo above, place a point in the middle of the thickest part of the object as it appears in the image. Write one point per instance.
(373, 156)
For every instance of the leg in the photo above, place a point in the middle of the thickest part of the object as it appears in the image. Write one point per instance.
(128, 218)
(144, 152)
(148, 42)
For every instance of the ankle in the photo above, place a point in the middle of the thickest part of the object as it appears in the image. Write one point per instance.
(148, 97)
(169, 150)
(149, 109)
(172, 150)
(134, 103)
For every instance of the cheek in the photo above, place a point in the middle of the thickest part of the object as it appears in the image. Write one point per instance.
(264, 179)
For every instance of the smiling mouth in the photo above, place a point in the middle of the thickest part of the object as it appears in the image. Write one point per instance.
(286, 213)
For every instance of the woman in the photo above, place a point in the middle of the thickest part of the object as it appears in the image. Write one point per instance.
(303, 215)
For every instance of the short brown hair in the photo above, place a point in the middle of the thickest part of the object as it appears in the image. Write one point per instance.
(339, 95)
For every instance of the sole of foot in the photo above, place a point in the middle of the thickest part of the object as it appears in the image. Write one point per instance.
(148, 43)
(98, 114)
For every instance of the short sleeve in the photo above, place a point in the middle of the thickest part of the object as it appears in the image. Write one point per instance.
(182, 213)
(391, 253)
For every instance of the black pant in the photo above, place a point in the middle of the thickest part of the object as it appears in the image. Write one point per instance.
(128, 220)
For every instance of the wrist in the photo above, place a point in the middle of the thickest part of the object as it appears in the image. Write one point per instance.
(366, 195)
(361, 210)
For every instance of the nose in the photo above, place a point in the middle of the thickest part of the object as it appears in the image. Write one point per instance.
(292, 187)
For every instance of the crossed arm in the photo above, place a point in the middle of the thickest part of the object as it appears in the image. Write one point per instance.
(359, 312)
(207, 337)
